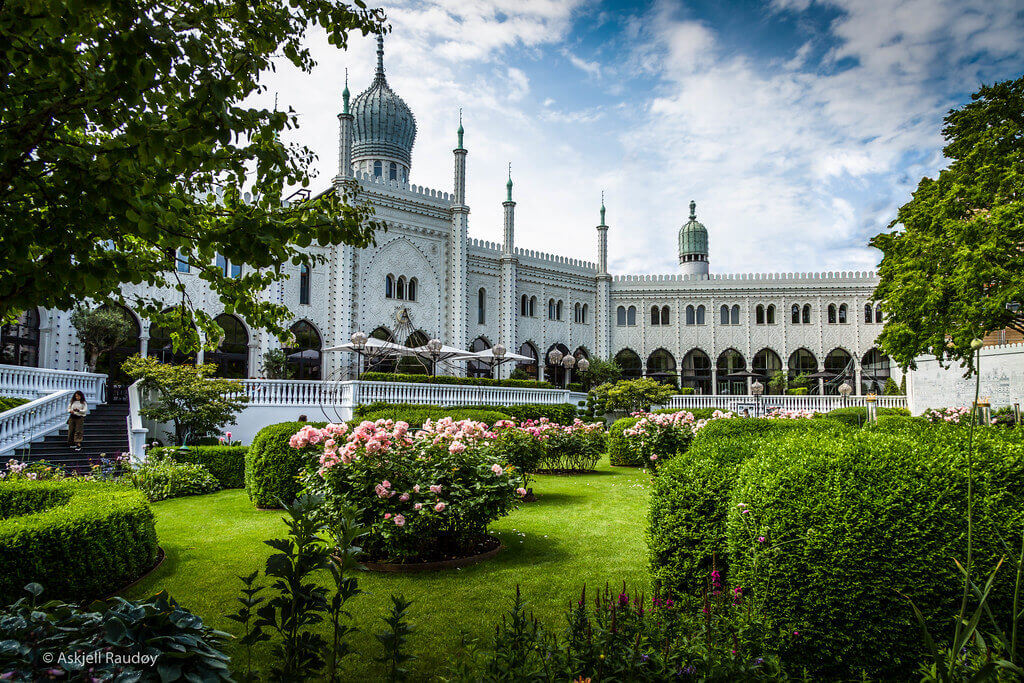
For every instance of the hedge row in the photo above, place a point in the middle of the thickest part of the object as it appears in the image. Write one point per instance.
(272, 467)
(852, 519)
(563, 413)
(6, 402)
(80, 540)
(225, 463)
(451, 379)
(857, 416)
(418, 415)
(618, 451)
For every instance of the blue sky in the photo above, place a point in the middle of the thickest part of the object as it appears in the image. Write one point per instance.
(798, 126)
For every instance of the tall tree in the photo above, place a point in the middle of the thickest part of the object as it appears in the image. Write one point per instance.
(955, 269)
(100, 330)
(126, 143)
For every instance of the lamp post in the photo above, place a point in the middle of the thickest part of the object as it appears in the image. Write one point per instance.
(499, 351)
(872, 403)
(583, 365)
(845, 389)
(555, 358)
(567, 362)
(434, 347)
(757, 389)
(359, 340)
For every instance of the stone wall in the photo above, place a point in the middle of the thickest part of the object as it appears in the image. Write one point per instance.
(1002, 380)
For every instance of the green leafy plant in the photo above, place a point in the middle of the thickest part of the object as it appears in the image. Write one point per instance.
(395, 640)
(188, 396)
(225, 463)
(637, 394)
(272, 466)
(276, 365)
(100, 330)
(162, 478)
(600, 372)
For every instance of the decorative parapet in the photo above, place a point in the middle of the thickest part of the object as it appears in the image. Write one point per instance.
(395, 186)
(554, 259)
(831, 277)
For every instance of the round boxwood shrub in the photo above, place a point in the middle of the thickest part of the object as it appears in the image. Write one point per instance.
(225, 463)
(619, 452)
(689, 502)
(272, 466)
(163, 478)
(854, 521)
(80, 539)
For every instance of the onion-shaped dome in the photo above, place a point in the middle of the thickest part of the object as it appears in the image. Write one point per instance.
(693, 236)
(384, 125)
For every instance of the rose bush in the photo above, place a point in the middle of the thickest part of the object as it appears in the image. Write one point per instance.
(424, 495)
(570, 448)
(657, 437)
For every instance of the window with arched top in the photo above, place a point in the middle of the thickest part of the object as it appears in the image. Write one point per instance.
(665, 315)
(696, 372)
(232, 353)
(576, 312)
(802, 362)
(524, 305)
(533, 307)
(723, 315)
(735, 318)
(842, 314)
(528, 366)
(831, 314)
(631, 316)
(19, 341)
(551, 309)
(393, 171)
(796, 314)
(655, 315)
(770, 314)
(389, 287)
(378, 169)
(661, 365)
(691, 315)
(629, 361)
(867, 313)
(412, 290)
(768, 364)
(729, 363)
(759, 314)
(806, 314)
(878, 313)
(701, 312)
(558, 310)
(585, 313)
(481, 306)
(400, 288)
(620, 316)
(304, 357)
(304, 284)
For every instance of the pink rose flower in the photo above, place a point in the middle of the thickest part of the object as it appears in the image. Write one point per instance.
(521, 491)
(387, 515)
(399, 520)
(416, 488)
(435, 488)
(439, 507)
(496, 468)
(417, 506)
(404, 497)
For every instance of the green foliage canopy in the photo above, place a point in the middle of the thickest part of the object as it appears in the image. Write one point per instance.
(956, 270)
(99, 330)
(126, 143)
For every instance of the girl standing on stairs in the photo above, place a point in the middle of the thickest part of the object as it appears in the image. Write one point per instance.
(76, 420)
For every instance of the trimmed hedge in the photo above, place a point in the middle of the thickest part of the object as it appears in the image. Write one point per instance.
(225, 463)
(6, 402)
(857, 416)
(272, 466)
(417, 415)
(855, 521)
(618, 451)
(689, 502)
(81, 540)
(563, 413)
(164, 478)
(451, 379)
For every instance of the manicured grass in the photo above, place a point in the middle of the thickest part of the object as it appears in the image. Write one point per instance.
(584, 529)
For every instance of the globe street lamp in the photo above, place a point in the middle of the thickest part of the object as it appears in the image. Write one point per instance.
(583, 365)
(434, 347)
(555, 358)
(567, 362)
(757, 389)
(845, 389)
(359, 340)
(498, 351)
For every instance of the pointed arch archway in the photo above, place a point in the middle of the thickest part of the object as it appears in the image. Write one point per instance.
(305, 355)
(696, 371)
(629, 361)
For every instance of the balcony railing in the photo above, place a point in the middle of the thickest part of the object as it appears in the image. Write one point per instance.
(23, 382)
(818, 404)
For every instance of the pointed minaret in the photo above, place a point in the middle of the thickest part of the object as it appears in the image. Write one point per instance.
(602, 319)
(458, 258)
(345, 119)
(460, 166)
(507, 288)
(602, 242)
(508, 245)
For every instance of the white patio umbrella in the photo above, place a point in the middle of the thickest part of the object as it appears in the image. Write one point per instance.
(375, 347)
(487, 356)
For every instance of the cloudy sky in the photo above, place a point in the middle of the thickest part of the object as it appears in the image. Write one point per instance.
(798, 126)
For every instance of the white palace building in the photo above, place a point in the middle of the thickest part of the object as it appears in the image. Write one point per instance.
(427, 278)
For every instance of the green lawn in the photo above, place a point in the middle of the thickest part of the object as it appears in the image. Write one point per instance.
(584, 529)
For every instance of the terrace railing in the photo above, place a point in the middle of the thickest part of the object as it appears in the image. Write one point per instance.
(818, 404)
(23, 382)
(23, 424)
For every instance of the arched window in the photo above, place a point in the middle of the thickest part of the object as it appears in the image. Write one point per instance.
(19, 341)
(631, 316)
(110, 360)
(796, 314)
(759, 314)
(665, 315)
(875, 369)
(476, 368)
(558, 310)
(771, 314)
(867, 313)
(524, 304)
(661, 365)
(528, 366)
(389, 287)
(381, 363)
(878, 313)
(585, 313)
(735, 315)
(533, 307)
(551, 309)
(723, 315)
(629, 361)
(700, 314)
(620, 316)
(393, 171)
(806, 317)
(414, 365)
(378, 169)
(655, 315)
(304, 357)
(161, 346)
(767, 364)
(400, 289)
(555, 373)
(831, 314)
(232, 354)
(691, 316)
(730, 362)
(481, 307)
(304, 284)
(802, 362)
(411, 292)
(696, 371)
(577, 311)
(839, 364)
(842, 314)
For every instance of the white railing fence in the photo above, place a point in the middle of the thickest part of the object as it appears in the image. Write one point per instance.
(33, 420)
(818, 404)
(31, 383)
(136, 432)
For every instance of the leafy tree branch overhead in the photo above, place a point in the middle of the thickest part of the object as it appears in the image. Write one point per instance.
(125, 143)
(953, 271)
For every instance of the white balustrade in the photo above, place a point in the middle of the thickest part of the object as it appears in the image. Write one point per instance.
(24, 382)
(136, 432)
(818, 404)
(33, 420)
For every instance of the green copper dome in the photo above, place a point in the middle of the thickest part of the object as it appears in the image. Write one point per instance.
(693, 236)
(384, 124)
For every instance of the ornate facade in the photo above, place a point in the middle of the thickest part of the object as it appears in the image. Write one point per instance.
(427, 274)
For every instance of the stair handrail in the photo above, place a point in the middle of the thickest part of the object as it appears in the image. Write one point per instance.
(33, 420)
(136, 432)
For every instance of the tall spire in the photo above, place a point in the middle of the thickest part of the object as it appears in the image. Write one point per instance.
(460, 128)
(345, 95)
(602, 207)
(693, 210)
(508, 185)
(380, 56)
